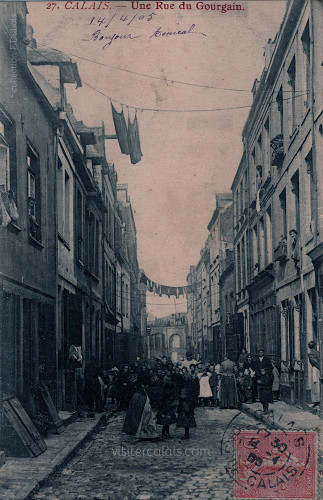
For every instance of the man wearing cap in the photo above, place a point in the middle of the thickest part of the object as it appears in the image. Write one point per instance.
(262, 362)
(188, 361)
(249, 363)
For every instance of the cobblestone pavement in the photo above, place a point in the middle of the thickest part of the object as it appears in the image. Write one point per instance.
(118, 467)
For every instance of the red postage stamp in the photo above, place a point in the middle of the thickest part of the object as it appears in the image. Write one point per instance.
(275, 464)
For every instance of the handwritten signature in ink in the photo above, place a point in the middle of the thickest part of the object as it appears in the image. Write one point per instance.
(98, 35)
(160, 33)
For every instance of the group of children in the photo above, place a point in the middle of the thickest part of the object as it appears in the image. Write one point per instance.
(226, 385)
(123, 383)
(257, 378)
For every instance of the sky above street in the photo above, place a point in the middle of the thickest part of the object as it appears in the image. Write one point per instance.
(187, 156)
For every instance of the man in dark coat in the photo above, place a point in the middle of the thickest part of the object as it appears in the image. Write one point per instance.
(124, 388)
(265, 382)
(249, 364)
(251, 367)
(92, 377)
(262, 362)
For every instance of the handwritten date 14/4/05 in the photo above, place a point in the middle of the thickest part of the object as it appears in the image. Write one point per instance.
(124, 19)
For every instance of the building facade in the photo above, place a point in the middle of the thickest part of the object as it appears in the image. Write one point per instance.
(68, 273)
(131, 291)
(276, 201)
(242, 263)
(28, 231)
(167, 337)
(211, 278)
(275, 264)
(220, 242)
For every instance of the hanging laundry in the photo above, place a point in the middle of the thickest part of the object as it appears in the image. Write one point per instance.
(9, 202)
(4, 216)
(143, 279)
(121, 129)
(150, 286)
(170, 291)
(134, 141)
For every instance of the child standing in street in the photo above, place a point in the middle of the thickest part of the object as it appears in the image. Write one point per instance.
(265, 389)
(187, 404)
(247, 383)
(205, 395)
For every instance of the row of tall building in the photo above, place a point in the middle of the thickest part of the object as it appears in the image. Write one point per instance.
(69, 275)
(259, 281)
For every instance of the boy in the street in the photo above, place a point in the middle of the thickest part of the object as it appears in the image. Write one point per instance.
(265, 392)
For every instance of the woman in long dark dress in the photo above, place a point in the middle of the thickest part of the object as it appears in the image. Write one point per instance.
(134, 413)
(228, 384)
(187, 403)
(178, 380)
(140, 420)
(166, 410)
(124, 389)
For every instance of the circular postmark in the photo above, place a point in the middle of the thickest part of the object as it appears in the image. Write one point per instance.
(274, 464)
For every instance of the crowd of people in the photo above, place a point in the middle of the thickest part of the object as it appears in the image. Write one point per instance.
(162, 392)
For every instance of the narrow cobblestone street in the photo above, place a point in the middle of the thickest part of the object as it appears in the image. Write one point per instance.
(115, 466)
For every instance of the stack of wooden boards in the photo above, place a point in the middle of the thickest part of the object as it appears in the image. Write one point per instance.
(29, 437)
